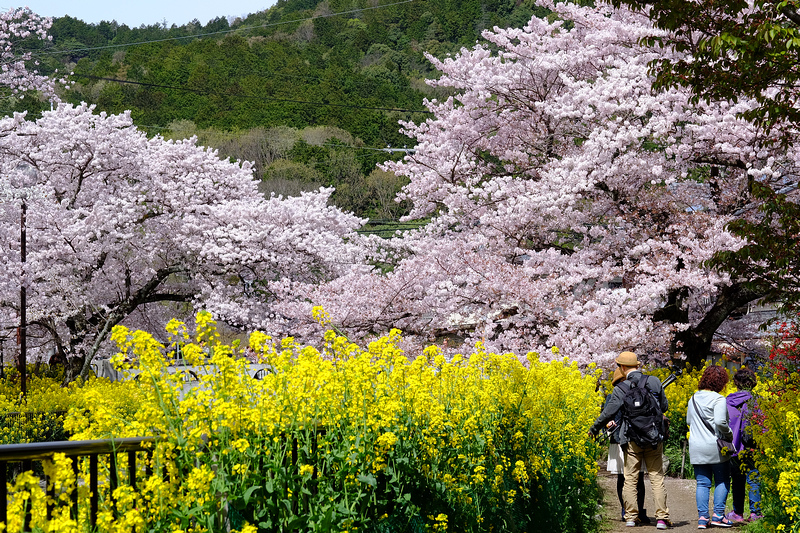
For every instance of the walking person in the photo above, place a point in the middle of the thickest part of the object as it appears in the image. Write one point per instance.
(647, 430)
(741, 405)
(616, 458)
(707, 418)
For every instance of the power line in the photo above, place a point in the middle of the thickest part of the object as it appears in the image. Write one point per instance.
(254, 97)
(221, 32)
(233, 135)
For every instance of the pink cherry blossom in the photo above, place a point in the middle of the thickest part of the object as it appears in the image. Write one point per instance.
(118, 221)
(572, 204)
(15, 25)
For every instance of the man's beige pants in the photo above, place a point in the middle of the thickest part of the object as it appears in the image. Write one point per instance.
(653, 459)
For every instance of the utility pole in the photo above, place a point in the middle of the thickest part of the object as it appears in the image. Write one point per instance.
(28, 178)
(23, 304)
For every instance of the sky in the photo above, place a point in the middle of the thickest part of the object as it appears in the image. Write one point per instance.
(134, 13)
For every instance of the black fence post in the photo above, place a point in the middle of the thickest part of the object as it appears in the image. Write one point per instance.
(132, 469)
(4, 491)
(50, 491)
(94, 498)
(75, 470)
(27, 464)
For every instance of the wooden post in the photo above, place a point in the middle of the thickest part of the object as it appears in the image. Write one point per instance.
(683, 455)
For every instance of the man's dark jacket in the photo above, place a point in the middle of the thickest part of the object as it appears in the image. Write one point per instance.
(616, 399)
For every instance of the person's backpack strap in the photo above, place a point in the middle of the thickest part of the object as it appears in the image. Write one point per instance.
(643, 382)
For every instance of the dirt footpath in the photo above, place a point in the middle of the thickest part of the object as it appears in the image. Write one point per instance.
(680, 499)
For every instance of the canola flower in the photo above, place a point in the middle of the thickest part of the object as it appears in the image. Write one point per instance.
(789, 478)
(40, 415)
(777, 432)
(342, 438)
(337, 439)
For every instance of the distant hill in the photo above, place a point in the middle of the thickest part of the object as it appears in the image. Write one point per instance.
(355, 68)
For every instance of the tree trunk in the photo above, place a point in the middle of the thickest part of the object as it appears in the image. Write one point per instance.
(695, 342)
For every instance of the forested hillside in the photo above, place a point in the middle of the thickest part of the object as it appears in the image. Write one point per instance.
(310, 91)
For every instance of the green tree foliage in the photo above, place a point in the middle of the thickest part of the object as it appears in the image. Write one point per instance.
(769, 262)
(298, 63)
(267, 87)
(738, 48)
(382, 187)
(289, 161)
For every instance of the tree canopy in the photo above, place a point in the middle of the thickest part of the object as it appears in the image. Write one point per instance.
(118, 222)
(732, 50)
(573, 202)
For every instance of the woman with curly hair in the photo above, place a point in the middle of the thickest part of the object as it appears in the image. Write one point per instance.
(707, 418)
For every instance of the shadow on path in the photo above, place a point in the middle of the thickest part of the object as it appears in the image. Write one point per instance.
(680, 499)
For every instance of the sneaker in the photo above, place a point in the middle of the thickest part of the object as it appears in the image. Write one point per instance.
(720, 521)
(702, 522)
(754, 517)
(662, 524)
(631, 523)
(733, 517)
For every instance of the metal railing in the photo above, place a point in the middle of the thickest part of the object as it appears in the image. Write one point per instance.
(91, 450)
(39, 451)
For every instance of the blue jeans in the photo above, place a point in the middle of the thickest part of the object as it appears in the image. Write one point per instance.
(721, 473)
(743, 472)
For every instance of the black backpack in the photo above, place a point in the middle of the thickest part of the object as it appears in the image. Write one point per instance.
(643, 416)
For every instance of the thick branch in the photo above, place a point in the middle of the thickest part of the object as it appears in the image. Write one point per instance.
(695, 342)
(791, 14)
(146, 294)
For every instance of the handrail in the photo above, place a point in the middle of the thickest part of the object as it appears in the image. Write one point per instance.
(90, 449)
(35, 451)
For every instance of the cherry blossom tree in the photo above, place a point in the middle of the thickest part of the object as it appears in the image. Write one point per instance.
(746, 49)
(571, 203)
(117, 221)
(118, 225)
(17, 25)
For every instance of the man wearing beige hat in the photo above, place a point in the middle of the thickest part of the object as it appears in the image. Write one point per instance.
(635, 455)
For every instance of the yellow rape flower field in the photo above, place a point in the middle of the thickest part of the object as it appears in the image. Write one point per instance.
(341, 438)
(344, 438)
